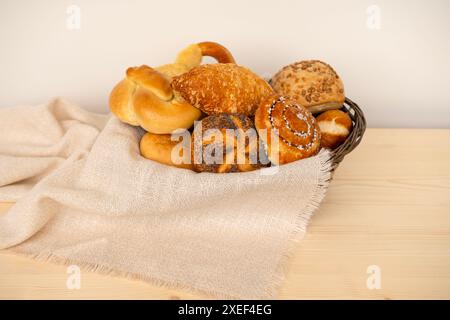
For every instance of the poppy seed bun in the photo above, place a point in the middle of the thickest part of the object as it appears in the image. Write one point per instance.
(228, 127)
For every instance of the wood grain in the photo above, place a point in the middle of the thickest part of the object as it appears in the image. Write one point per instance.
(388, 205)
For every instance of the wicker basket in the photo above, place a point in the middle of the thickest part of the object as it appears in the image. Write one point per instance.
(359, 127)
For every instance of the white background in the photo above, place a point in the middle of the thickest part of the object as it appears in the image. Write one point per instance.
(399, 74)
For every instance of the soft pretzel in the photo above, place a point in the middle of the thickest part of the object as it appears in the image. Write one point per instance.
(145, 98)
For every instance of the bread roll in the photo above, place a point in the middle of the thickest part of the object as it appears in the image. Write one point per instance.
(297, 136)
(159, 147)
(145, 98)
(314, 84)
(222, 88)
(335, 126)
(229, 138)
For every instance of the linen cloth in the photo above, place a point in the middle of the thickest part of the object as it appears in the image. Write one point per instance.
(86, 196)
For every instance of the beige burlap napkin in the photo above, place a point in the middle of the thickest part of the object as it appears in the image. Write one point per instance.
(87, 197)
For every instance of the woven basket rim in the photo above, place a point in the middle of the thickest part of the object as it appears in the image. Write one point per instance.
(355, 137)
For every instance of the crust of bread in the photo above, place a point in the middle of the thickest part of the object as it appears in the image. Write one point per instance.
(192, 56)
(159, 147)
(172, 70)
(313, 83)
(217, 51)
(151, 80)
(120, 102)
(222, 88)
(159, 116)
(290, 119)
(316, 109)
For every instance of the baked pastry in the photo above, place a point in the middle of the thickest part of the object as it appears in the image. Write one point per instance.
(297, 134)
(192, 55)
(312, 83)
(226, 143)
(222, 88)
(145, 98)
(335, 126)
(161, 148)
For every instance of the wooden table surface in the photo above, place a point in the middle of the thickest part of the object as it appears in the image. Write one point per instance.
(388, 206)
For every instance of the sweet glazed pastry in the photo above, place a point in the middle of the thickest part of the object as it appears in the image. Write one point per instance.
(312, 83)
(159, 147)
(145, 98)
(217, 137)
(222, 88)
(297, 136)
(335, 126)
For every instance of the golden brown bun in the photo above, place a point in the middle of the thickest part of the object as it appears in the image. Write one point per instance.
(335, 126)
(222, 88)
(159, 147)
(146, 98)
(298, 133)
(312, 83)
(210, 135)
